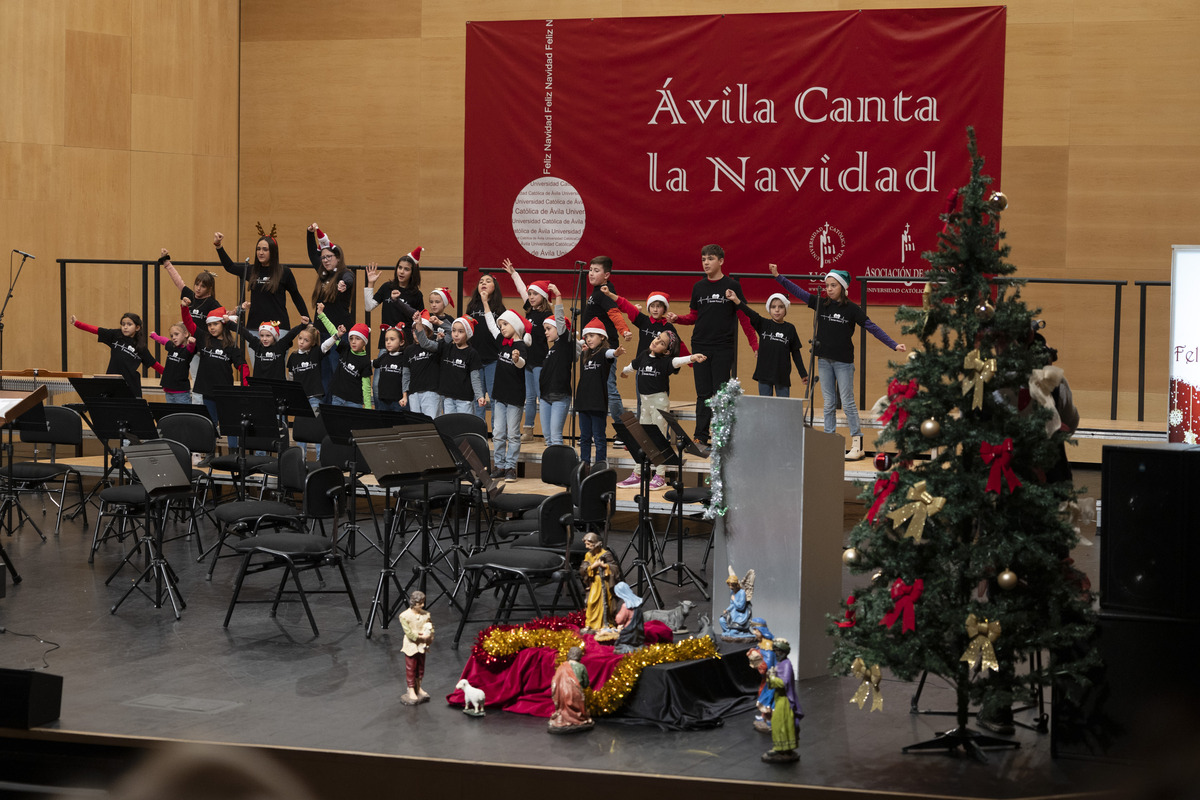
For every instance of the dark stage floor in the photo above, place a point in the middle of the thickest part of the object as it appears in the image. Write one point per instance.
(266, 681)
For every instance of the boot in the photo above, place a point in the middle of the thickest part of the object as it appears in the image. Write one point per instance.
(856, 448)
(526, 435)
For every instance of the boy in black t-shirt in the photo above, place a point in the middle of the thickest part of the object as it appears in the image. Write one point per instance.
(714, 317)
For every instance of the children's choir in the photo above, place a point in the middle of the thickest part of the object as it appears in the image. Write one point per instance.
(433, 362)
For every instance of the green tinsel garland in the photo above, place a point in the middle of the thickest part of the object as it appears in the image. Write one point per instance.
(722, 404)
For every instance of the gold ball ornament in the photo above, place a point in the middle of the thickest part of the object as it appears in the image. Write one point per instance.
(912, 355)
(985, 311)
(930, 428)
(1007, 579)
(850, 556)
(998, 202)
(878, 574)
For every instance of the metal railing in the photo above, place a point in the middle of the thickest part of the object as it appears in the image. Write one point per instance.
(578, 296)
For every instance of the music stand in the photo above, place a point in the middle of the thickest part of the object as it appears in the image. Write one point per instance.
(32, 419)
(397, 456)
(121, 420)
(162, 476)
(649, 451)
(683, 444)
(243, 412)
(340, 424)
(683, 573)
(482, 483)
(14, 405)
(99, 387)
(290, 399)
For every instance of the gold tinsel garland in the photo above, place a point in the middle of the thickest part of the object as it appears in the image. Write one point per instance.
(609, 697)
(505, 643)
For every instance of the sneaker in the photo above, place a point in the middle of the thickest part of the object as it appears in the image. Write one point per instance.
(498, 472)
(633, 480)
(657, 483)
(510, 474)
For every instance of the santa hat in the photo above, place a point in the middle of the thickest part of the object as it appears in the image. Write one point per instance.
(216, 315)
(426, 320)
(415, 255)
(361, 331)
(595, 326)
(322, 240)
(444, 293)
(270, 327)
(468, 324)
(658, 297)
(781, 296)
(541, 287)
(520, 325)
(841, 276)
(552, 322)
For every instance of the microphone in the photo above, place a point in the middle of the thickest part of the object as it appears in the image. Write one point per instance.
(581, 263)
(23, 253)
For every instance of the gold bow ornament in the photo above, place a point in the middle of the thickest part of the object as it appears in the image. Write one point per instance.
(983, 370)
(980, 649)
(921, 506)
(870, 679)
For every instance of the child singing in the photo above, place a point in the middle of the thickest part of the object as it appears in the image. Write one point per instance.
(176, 377)
(128, 346)
(654, 367)
(591, 393)
(777, 342)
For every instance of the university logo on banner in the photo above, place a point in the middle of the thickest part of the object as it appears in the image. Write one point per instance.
(813, 140)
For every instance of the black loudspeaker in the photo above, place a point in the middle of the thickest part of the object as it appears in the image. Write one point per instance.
(28, 699)
(1150, 529)
(1140, 701)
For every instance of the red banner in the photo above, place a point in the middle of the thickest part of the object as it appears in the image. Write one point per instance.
(819, 140)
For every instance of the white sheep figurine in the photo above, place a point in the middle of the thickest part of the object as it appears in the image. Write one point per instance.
(473, 698)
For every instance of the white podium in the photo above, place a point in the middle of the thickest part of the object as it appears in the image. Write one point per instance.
(784, 491)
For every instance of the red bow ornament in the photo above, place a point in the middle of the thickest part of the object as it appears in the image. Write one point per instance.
(897, 393)
(999, 456)
(850, 621)
(883, 488)
(905, 596)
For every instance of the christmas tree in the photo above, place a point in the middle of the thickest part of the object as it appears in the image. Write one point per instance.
(966, 535)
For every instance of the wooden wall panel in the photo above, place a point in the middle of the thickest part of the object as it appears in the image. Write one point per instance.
(319, 20)
(162, 199)
(98, 16)
(215, 87)
(1037, 85)
(1128, 84)
(89, 170)
(30, 69)
(214, 203)
(163, 61)
(1035, 180)
(161, 124)
(1128, 205)
(97, 90)
(1099, 158)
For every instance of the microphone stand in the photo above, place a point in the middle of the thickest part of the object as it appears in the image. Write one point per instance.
(574, 331)
(810, 391)
(12, 285)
